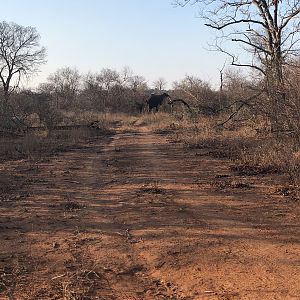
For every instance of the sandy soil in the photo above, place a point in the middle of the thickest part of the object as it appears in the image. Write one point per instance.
(137, 217)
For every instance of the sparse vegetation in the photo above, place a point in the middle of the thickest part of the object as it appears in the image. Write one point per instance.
(100, 197)
(251, 149)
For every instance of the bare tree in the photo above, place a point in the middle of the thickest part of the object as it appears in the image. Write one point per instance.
(64, 84)
(114, 91)
(126, 75)
(160, 84)
(198, 93)
(108, 78)
(267, 29)
(90, 81)
(138, 83)
(20, 54)
(66, 81)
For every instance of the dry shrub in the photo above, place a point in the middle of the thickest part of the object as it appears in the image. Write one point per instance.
(22, 147)
(75, 128)
(267, 155)
(273, 156)
(199, 94)
(203, 133)
(38, 144)
(249, 145)
(85, 117)
(197, 132)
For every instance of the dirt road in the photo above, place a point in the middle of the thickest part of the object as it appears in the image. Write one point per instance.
(137, 217)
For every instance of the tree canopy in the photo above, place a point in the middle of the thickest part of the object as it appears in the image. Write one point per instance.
(20, 54)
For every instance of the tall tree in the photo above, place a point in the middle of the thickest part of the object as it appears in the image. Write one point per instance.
(160, 84)
(64, 84)
(267, 29)
(20, 54)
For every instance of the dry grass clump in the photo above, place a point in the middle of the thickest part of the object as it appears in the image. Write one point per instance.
(252, 148)
(157, 122)
(197, 133)
(82, 117)
(81, 284)
(203, 133)
(74, 129)
(267, 155)
(23, 147)
(105, 123)
(271, 156)
(38, 144)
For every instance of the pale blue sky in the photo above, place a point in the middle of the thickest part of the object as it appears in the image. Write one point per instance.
(150, 36)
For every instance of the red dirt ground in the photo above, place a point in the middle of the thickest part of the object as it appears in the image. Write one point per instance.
(137, 217)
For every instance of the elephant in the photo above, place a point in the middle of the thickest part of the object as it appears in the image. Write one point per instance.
(156, 100)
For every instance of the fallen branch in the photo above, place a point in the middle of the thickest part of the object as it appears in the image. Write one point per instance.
(242, 104)
(182, 101)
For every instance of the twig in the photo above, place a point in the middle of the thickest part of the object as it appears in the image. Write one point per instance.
(59, 276)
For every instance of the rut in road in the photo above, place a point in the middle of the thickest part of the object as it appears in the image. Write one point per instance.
(141, 218)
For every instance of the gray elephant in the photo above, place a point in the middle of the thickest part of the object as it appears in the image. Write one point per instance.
(155, 101)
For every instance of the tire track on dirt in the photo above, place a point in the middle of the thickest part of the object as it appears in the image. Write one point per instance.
(198, 239)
